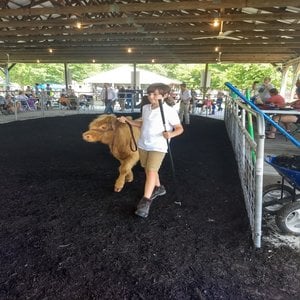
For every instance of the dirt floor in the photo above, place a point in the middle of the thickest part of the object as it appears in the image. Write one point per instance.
(66, 235)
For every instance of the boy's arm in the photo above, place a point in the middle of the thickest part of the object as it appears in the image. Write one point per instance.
(178, 129)
(136, 122)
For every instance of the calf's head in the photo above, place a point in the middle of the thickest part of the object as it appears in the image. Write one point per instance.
(101, 129)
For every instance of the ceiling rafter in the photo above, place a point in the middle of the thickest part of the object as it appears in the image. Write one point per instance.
(149, 6)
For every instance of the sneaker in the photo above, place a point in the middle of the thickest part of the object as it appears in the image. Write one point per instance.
(143, 207)
(158, 191)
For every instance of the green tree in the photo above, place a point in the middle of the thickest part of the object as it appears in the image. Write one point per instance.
(240, 75)
(29, 74)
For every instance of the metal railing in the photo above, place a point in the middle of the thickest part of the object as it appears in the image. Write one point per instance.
(249, 153)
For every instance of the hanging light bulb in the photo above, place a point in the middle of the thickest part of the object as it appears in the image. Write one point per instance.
(216, 49)
(216, 22)
(50, 50)
(129, 50)
(78, 25)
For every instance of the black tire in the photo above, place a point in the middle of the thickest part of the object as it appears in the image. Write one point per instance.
(288, 218)
(272, 200)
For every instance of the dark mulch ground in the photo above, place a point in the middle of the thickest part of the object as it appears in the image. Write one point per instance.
(66, 235)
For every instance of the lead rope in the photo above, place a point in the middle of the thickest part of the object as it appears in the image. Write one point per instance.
(133, 147)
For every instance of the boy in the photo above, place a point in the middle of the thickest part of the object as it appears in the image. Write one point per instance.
(153, 141)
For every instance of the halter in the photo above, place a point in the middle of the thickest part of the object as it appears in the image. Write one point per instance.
(133, 147)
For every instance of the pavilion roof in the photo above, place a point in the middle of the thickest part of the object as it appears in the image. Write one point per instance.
(155, 31)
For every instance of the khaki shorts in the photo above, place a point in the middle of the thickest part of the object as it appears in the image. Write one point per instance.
(151, 160)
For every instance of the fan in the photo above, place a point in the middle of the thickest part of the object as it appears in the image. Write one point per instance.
(221, 36)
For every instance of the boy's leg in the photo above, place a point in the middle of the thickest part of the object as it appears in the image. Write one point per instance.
(151, 181)
(151, 162)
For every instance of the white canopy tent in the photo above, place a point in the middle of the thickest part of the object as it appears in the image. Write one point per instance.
(125, 76)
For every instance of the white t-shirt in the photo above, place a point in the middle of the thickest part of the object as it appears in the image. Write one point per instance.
(185, 96)
(151, 138)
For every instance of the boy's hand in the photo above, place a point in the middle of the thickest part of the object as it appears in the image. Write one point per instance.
(167, 134)
(122, 119)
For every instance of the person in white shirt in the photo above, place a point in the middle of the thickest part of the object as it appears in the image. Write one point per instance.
(153, 141)
(264, 89)
(108, 96)
(185, 102)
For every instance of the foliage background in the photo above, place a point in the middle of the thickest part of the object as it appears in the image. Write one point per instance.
(240, 75)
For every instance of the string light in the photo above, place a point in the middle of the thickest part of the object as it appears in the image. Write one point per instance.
(50, 50)
(153, 60)
(129, 50)
(93, 60)
(216, 22)
(38, 61)
(78, 25)
(216, 49)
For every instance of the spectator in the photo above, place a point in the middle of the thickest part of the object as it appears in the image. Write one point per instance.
(48, 96)
(73, 100)
(184, 108)
(32, 101)
(121, 98)
(193, 101)
(286, 120)
(264, 89)
(3, 106)
(275, 100)
(207, 105)
(219, 101)
(36, 89)
(254, 94)
(129, 97)
(22, 101)
(108, 96)
(10, 105)
(70, 90)
(28, 91)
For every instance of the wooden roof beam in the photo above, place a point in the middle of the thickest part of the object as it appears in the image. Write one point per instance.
(148, 7)
(201, 18)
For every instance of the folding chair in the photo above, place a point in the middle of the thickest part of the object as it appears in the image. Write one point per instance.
(24, 105)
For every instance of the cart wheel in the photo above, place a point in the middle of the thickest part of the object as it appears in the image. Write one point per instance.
(288, 218)
(272, 201)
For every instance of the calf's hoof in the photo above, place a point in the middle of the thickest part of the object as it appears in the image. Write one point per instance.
(118, 189)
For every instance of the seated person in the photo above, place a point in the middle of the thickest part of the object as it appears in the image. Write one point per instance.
(64, 101)
(21, 100)
(32, 101)
(275, 101)
(207, 104)
(83, 101)
(7, 106)
(286, 120)
(3, 105)
(73, 101)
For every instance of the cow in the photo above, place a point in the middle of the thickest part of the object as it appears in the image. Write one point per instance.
(121, 139)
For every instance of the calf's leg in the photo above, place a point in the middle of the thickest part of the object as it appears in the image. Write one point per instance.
(125, 172)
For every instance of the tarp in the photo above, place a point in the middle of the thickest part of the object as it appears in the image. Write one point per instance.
(124, 75)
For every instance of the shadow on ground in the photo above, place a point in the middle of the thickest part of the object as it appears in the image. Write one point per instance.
(66, 235)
